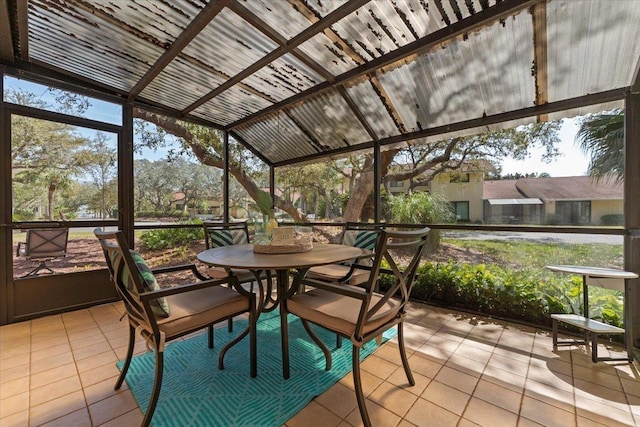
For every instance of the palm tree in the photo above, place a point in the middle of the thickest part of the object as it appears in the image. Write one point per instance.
(602, 137)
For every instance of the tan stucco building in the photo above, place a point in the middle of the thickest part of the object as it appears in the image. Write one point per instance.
(574, 200)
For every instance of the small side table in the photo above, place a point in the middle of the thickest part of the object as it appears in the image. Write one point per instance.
(601, 277)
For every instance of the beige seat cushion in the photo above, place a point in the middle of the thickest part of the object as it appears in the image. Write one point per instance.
(338, 312)
(333, 272)
(197, 309)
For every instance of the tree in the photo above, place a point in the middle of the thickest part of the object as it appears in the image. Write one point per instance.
(435, 157)
(601, 136)
(432, 158)
(100, 164)
(152, 185)
(206, 144)
(45, 155)
(50, 160)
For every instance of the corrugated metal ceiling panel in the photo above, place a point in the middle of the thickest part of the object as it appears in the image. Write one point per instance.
(593, 46)
(73, 39)
(280, 16)
(373, 110)
(332, 58)
(231, 105)
(278, 138)
(285, 77)
(162, 20)
(194, 80)
(329, 118)
(381, 27)
(488, 73)
(229, 44)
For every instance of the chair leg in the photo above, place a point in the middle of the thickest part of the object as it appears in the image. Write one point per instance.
(338, 341)
(127, 361)
(155, 392)
(319, 343)
(403, 354)
(230, 325)
(210, 336)
(35, 271)
(357, 384)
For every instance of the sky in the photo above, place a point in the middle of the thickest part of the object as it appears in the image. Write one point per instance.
(571, 162)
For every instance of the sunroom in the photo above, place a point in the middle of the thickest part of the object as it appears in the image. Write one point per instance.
(288, 84)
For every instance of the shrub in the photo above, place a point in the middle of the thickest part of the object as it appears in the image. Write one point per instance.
(23, 215)
(552, 219)
(165, 238)
(526, 296)
(149, 214)
(612, 219)
(178, 214)
(422, 208)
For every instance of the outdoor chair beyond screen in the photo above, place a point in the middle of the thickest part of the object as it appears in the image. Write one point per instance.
(43, 244)
(360, 313)
(218, 234)
(161, 315)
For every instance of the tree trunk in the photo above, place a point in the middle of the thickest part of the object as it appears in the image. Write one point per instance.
(363, 185)
(50, 197)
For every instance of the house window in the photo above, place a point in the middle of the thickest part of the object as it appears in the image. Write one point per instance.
(574, 213)
(462, 210)
(396, 184)
(459, 177)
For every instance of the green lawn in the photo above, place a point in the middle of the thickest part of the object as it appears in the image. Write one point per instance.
(520, 255)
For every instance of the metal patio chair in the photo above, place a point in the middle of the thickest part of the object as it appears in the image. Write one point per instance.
(360, 313)
(43, 244)
(162, 315)
(217, 234)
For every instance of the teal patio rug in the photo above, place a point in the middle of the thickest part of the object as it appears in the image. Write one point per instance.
(195, 393)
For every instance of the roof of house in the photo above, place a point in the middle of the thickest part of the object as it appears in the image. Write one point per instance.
(571, 188)
(501, 189)
(551, 189)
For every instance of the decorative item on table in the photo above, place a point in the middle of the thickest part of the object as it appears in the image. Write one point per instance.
(272, 224)
(303, 233)
(284, 240)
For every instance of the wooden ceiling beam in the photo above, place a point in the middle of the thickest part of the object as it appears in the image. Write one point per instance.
(22, 12)
(6, 39)
(539, 16)
(296, 41)
(265, 29)
(206, 15)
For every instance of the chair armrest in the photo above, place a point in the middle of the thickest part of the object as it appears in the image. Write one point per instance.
(149, 295)
(182, 267)
(353, 267)
(350, 291)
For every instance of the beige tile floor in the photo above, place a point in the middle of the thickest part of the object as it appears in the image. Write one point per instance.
(60, 371)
